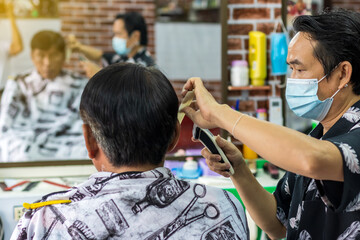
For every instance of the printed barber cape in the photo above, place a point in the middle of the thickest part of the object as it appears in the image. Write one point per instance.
(39, 118)
(135, 205)
(313, 209)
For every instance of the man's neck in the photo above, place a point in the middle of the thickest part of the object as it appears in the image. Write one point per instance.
(135, 50)
(142, 168)
(104, 165)
(328, 123)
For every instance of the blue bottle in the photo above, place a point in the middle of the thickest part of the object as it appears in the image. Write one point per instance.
(278, 53)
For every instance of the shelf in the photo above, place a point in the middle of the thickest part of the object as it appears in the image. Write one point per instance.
(251, 88)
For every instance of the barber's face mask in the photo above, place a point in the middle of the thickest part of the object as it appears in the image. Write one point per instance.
(119, 45)
(301, 96)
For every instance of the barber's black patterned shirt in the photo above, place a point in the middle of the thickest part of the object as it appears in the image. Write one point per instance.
(137, 205)
(142, 57)
(313, 209)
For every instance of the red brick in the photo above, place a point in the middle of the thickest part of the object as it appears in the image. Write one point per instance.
(239, 29)
(277, 12)
(234, 57)
(251, 13)
(244, 106)
(234, 43)
(246, 44)
(258, 92)
(266, 28)
(263, 104)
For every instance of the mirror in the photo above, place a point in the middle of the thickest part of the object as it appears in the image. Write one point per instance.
(185, 41)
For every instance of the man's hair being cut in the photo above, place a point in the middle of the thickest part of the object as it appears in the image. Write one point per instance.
(132, 112)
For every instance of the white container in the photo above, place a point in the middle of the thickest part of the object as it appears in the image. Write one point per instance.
(239, 73)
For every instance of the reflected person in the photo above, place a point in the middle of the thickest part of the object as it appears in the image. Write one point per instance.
(130, 122)
(319, 196)
(129, 43)
(39, 117)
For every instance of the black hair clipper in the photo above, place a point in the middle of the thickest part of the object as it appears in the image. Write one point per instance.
(208, 140)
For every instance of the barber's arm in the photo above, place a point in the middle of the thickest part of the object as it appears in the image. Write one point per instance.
(259, 203)
(91, 53)
(284, 147)
(90, 68)
(16, 42)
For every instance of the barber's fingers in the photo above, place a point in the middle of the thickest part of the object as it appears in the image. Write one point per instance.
(191, 84)
(84, 64)
(213, 161)
(226, 146)
(72, 42)
(90, 68)
(197, 118)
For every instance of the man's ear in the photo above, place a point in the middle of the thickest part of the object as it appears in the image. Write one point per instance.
(135, 38)
(346, 72)
(175, 138)
(90, 142)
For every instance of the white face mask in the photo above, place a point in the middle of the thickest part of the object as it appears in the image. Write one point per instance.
(301, 96)
(119, 45)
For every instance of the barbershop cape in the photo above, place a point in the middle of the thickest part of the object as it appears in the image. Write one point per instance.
(39, 118)
(137, 205)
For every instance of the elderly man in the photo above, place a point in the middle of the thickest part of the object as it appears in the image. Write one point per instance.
(130, 116)
(39, 116)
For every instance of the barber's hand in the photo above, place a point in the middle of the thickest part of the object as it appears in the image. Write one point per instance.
(232, 153)
(73, 43)
(90, 68)
(203, 117)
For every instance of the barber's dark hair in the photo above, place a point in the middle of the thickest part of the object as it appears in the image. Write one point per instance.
(44, 40)
(132, 112)
(337, 34)
(134, 21)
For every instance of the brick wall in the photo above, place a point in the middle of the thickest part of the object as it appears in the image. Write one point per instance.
(347, 4)
(245, 16)
(91, 21)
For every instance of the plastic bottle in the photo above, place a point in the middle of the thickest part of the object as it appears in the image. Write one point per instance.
(239, 73)
(257, 58)
(261, 114)
(251, 157)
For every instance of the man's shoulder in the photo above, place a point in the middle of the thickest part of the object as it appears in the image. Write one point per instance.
(111, 58)
(22, 76)
(73, 79)
(72, 75)
(144, 58)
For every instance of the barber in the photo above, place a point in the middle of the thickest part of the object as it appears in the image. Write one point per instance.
(129, 43)
(319, 196)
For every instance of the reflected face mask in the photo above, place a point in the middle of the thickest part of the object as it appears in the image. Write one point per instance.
(119, 45)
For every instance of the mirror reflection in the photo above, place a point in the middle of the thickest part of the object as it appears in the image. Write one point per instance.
(48, 56)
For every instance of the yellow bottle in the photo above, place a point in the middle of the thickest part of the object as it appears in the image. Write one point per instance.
(248, 153)
(251, 157)
(257, 58)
